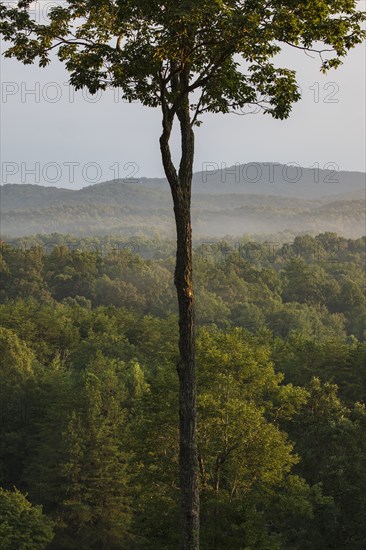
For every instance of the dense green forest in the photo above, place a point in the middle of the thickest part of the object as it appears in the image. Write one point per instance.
(89, 428)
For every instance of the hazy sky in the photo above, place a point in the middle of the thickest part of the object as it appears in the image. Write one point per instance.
(51, 135)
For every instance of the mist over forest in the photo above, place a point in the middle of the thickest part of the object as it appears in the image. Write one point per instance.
(253, 198)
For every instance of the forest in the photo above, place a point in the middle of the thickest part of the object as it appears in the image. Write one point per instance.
(89, 427)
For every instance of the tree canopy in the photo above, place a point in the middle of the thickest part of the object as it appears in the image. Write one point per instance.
(157, 52)
(89, 422)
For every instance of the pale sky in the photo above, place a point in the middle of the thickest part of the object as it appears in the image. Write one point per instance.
(51, 136)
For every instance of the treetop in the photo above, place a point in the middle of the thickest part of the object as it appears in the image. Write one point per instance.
(222, 53)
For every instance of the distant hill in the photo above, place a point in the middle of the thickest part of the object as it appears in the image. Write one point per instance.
(250, 198)
(282, 180)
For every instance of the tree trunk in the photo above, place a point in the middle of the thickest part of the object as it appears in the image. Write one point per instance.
(180, 185)
(187, 385)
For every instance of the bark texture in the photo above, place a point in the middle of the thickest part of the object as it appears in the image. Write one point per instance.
(180, 184)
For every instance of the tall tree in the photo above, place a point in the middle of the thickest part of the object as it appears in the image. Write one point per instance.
(22, 525)
(16, 375)
(186, 57)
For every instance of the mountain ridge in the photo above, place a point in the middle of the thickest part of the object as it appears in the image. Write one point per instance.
(222, 199)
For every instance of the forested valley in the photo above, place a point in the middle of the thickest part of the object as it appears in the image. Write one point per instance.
(89, 427)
